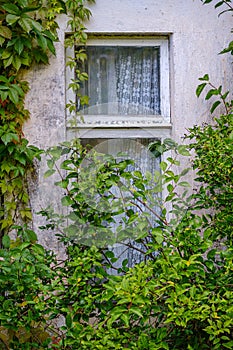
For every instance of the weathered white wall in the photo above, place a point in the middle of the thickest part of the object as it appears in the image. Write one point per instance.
(197, 35)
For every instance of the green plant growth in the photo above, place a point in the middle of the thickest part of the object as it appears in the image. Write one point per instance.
(27, 36)
(180, 295)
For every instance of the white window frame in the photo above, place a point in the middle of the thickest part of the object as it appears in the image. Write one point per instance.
(114, 125)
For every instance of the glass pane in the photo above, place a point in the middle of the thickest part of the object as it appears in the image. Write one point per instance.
(122, 80)
(136, 149)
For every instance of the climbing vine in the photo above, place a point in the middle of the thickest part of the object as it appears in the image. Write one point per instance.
(28, 31)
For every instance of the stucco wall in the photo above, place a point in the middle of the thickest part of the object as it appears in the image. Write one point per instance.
(196, 37)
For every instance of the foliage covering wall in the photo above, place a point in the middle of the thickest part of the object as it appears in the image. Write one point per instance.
(180, 295)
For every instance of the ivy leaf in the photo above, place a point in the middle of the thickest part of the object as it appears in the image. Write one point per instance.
(6, 54)
(9, 137)
(31, 9)
(4, 79)
(11, 8)
(6, 242)
(13, 95)
(5, 32)
(16, 62)
(42, 42)
(11, 19)
(36, 25)
(51, 46)
(26, 24)
(8, 61)
(19, 46)
(18, 89)
(4, 95)
(69, 321)
(31, 235)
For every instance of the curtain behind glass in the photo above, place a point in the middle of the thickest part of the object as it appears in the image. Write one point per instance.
(123, 80)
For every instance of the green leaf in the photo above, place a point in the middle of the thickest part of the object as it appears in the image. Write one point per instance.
(4, 95)
(200, 88)
(42, 42)
(219, 4)
(125, 319)
(9, 137)
(229, 48)
(16, 62)
(205, 78)
(185, 171)
(183, 150)
(66, 201)
(228, 345)
(5, 32)
(163, 166)
(211, 92)
(36, 25)
(11, 19)
(184, 184)
(19, 46)
(11, 8)
(214, 106)
(158, 234)
(48, 173)
(136, 311)
(170, 188)
(13, 95)
(51, 46)
(26, 24)
(8, 61)
(31, 235)
(69, 321)
(6, 242)
(63, 184)
(4, 79)
(30, 8)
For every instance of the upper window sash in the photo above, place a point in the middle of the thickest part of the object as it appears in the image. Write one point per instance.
(133, 120)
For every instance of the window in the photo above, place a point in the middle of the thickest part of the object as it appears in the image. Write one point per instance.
(123, 80)
(128, 88)
(128, 83)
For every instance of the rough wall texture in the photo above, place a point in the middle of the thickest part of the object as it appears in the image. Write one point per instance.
(196, 34)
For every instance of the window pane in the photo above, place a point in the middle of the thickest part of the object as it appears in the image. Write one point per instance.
(122, 80)
(136, 149)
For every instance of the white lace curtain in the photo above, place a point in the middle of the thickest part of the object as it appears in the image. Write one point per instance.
(123, 80)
